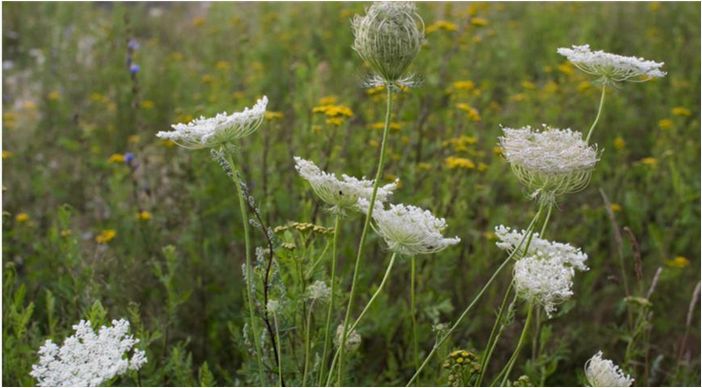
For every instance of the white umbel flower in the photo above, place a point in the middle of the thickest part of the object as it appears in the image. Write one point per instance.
(342, 194)
(318, 291)
(221, 129)
(88, 358)
(388, 37)
(611, 68)
(353, 339)
(543, 280)
(550, 162)
(567, 254)
(409, 230)
(601, 372)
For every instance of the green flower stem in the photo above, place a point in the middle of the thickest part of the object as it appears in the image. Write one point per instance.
(307, 344)
(277, 338)
(376, 182)
(515, 355)
(495, 334)
(249, 272)
(413, 311)
(599, 111)
(363, 313)
(477, 297)
(330, 308)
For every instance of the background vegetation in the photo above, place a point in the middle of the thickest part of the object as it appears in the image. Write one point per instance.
(91, 197)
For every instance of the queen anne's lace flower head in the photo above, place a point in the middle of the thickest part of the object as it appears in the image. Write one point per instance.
(88, 358)
(550, 162)
(610, 68)
(388, 37)
(318, 291)
(409, 230)
(342, 194)
(543, 280)
(216, 131)
(353, 339)
(568, 255)
(601, 372)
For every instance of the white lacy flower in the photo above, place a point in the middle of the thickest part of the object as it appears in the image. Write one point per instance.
(342, 193)
(388, 37)
(611, 67)
(87, 358)
(353, 339)
(601, 372)
(409, 230)
(221, 129)
(543, 280)
(552, 161)
(568, 255)
(318, 291)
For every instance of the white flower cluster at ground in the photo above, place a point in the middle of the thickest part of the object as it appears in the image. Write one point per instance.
(601, 372)
(88, 358)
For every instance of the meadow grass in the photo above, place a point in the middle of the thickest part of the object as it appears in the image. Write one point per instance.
(102, 220)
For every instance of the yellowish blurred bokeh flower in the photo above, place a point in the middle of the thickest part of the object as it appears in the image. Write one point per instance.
(106, 236)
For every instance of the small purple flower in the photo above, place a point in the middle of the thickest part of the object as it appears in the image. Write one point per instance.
(134, 68)
(133, 44)
(128, 158)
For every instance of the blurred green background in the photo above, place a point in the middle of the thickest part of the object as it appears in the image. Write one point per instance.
(91, 196)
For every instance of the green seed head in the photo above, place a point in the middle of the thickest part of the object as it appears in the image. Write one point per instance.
(388, 37)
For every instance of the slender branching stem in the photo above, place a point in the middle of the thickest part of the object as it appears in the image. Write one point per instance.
(599, 112)
(494, 334)
(307, 344)
(277, 350)
(520, 343)
(477, 297)
(249, 268)
(366, 224)
(413, 311)
(363, 313)
(330, 308)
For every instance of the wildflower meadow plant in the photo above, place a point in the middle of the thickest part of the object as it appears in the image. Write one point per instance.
(601, 372)
(87, 358)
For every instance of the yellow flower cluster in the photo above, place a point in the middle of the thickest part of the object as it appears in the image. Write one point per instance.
(116, 158)
(144, 215)
(473, 114)
(106, 236)
(22, 217)
(333, 110)
(453, 162)
(681, 111)
(391, 126)
(270, 115)
(461, 143)
(678, 262)
(441, 25)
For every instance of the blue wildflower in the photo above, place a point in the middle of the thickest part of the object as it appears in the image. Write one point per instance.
(134, 68)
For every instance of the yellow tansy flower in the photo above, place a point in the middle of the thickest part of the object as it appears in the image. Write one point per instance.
(464, 85)
(453, 162)
(665, 123)
(270, 115)
(678, 262)
(144, 215)
(54, 95)
(116, 158)
(479, 22)
(6, 154)
(222, 65)
(473, 113)
(566, 68)
(106, 236)
(584, 86)
(22, 217)
(441, 25)
(335, 121)
(333, 110)
(681, 111)
(528, 85)
(619, 143)
(615, 207)
(649, 161)
(328, 100)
